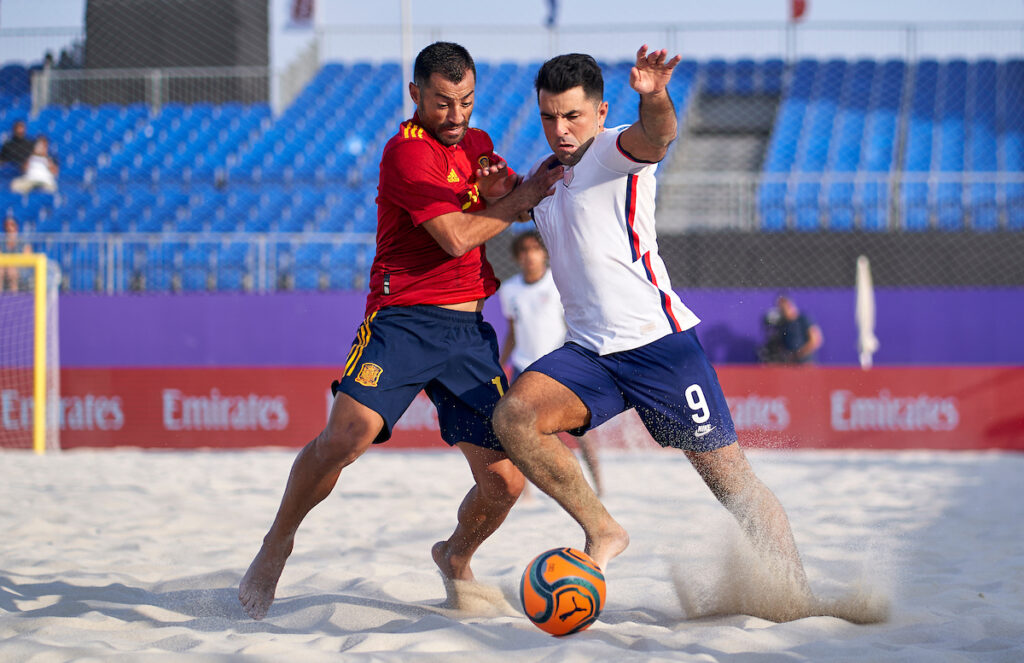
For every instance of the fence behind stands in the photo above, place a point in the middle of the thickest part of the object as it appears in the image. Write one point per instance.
(152, 87)
(203, 262)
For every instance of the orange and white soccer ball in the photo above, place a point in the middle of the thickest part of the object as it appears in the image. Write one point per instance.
(562, 591)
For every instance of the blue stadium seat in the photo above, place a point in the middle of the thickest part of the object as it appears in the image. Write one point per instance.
(116, 221)
(160, 267)
(151, 220)
(308, 268)
(949, 206)
(841, 212)
(14, 80)
(83, 267)
(88, 222)
(56, 222)
(916, 209)
(984, 206)
(772, 205)
(232, 266)
(1014, 192)
(195, 268)
(337, 219)
(133, 262)
(715, 73)
(873, 200)
(807, 206)
(343, 267)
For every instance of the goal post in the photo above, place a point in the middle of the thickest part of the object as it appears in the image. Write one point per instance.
(29, 355)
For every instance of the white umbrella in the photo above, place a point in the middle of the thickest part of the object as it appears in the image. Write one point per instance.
(867, 343)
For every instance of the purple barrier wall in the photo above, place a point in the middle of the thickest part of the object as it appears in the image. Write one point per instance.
(915, 326)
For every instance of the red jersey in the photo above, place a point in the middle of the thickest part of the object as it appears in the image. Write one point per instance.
(421, 179)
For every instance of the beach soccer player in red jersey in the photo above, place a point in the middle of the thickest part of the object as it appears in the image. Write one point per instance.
(442, 194)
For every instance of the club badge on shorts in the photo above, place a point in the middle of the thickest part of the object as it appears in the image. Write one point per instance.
(369, 374)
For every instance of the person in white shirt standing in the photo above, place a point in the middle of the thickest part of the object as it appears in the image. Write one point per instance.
(536, 322)
(631, 342)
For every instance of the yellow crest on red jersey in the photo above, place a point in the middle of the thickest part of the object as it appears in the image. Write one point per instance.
(410, 130)
(369, 374)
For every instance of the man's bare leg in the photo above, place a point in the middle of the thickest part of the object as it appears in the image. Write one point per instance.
(485, 507)
(351, 429)
(587, 448)
(728, 474)
(526, 420)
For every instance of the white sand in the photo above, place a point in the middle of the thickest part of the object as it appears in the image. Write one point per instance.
(109, 554)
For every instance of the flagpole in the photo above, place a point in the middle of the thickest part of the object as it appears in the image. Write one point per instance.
(406, 6)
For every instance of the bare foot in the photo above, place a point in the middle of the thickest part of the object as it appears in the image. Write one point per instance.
(452, 567)
(256, 591)
(464, 593)
(611, 541)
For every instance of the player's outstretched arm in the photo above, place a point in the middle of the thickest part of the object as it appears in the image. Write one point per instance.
(459, 232)
(649, 137)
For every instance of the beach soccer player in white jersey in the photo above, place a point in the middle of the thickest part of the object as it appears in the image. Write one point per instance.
(631, 342)
(536, 322)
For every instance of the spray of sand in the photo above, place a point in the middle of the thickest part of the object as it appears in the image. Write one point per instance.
(476, 599)
(738, 581)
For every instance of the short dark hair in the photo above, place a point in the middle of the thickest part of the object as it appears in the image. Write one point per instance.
(564, 72)
(442, 57)
(520, 240)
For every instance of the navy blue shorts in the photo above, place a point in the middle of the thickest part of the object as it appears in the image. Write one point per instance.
(451, 355)
(670, 382)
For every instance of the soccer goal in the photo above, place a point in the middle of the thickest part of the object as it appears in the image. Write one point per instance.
(29, 358)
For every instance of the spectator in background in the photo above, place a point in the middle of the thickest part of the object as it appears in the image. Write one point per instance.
(18, 147)
(11, 244)
(791, 336)
(65, 61)
(40, 170)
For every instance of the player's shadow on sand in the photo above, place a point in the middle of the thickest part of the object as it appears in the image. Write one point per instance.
(210, 603)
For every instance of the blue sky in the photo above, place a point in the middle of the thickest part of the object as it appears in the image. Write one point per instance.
(640, 20)
(38, 13)
(575, 12)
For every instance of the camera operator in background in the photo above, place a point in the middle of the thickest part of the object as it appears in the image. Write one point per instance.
(791, 336)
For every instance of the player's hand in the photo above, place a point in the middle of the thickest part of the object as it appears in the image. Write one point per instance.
(542, 183)
(495, 181)
(530, 191)
(652, 71)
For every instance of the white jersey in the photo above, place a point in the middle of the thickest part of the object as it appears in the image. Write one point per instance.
(37, 169)
(599, 231)
(535, 310)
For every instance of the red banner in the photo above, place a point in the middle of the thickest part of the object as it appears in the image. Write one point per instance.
(805, 407)
(883, 408)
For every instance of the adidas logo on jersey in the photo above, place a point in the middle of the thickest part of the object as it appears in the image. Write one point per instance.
(453, 176)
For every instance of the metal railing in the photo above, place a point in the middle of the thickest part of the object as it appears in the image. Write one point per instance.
(738, 200)
(153, 87)
(140, 262)
(887, 205)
